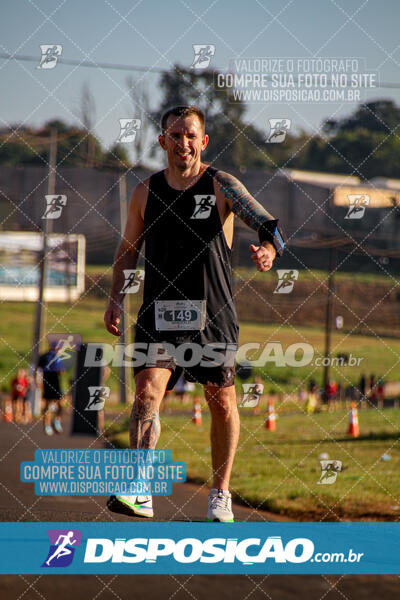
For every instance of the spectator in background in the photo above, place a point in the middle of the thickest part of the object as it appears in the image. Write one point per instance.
(19, 387)
(312, 398)
(362, 386)
(29, 400)
(302, 395)
(331, 390)
(182, 388)
(380, 392)
(51, 366)
(372, 390)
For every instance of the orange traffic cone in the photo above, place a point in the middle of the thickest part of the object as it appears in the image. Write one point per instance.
(270, 421)
(354, 427)
(196, 416)
(8, 411)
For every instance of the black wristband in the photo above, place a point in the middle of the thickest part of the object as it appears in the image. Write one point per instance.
(270, 232)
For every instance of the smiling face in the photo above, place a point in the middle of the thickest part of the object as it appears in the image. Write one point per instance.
(184, 141)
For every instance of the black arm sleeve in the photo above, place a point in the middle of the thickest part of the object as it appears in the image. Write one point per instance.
(270, 232)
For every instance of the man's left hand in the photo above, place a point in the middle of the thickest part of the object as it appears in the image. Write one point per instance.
(263, 256)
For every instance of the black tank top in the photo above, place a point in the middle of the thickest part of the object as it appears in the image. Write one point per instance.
(187, 258)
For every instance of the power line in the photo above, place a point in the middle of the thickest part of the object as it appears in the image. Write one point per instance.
(121, 67)
(86, 63)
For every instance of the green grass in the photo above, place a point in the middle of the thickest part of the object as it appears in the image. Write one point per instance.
(98, 269)
(86, 318)
(278, 471)
(304, 274)
(16, 329)
(379, 356)
(318, 275)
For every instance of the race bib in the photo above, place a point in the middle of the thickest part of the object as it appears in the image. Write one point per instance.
(180, 315)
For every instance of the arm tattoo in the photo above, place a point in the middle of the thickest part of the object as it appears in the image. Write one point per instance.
(243, 204)
(144, 426)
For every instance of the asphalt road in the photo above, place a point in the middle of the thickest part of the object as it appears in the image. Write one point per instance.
(187, 503)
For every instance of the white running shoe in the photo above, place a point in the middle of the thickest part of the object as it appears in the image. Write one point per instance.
(48, 430)
(57, 426)
(140, 505)
(220, 506)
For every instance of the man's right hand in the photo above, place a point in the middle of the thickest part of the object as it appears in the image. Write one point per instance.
(112, 318)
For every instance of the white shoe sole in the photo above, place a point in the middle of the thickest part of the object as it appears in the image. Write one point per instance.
(137, 509)
(216, 520)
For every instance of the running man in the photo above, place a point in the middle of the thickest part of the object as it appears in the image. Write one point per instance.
(64, 349)
(98, 398)
(62, 542)
(189, 278)
(287, 279)
(203, 55)
(55, 205)
(130, 282)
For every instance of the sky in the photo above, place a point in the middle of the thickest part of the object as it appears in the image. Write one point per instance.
(148, 33)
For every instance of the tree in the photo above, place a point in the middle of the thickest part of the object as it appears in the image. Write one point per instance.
(233, 142)
(28, 146)
(140, 100)
(379, 116)
(117, 157)
(365, 144)
(88, 119)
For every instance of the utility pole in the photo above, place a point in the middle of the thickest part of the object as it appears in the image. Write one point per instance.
(125, 326)
(47, 227)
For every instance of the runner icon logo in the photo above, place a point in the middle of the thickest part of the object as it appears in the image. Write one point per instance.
(251, 394)
(287, 277)
(98, 395)
(204, 204)
(62, 547)
(202, 55)
(50, 56)
(54, 205)
(357, 205)
(63, 346)
(329, 471)
(278, 130)
(132, 281)
(128, 130)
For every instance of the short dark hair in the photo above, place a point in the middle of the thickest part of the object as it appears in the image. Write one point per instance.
(182, 111)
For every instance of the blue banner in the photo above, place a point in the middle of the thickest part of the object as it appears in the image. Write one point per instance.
(71, 472)
(201, 548)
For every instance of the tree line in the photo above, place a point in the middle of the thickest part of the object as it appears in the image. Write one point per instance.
(366, 143)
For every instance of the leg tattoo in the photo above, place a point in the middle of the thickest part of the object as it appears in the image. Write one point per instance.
(144, 426)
